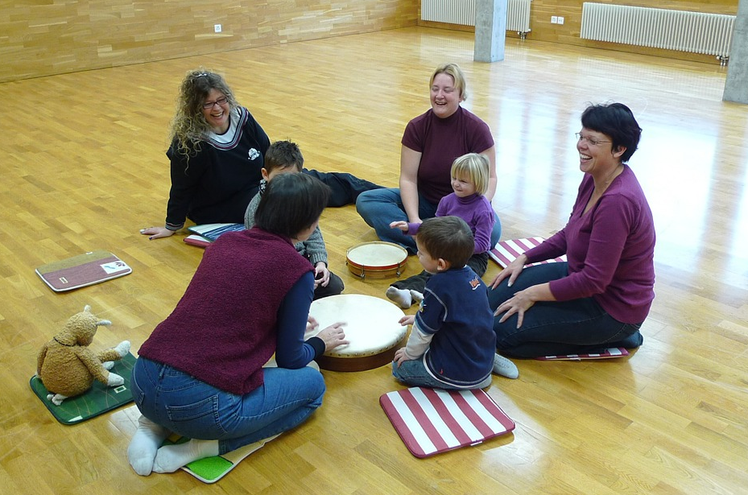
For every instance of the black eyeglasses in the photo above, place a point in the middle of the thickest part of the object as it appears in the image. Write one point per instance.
(590, 141)
(220, 101)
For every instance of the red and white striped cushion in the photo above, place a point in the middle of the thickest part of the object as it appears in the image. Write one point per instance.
(431, 421)
(506, 251)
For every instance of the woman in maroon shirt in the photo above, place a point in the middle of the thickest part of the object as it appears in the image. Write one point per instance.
(600, 297)
(430, 143)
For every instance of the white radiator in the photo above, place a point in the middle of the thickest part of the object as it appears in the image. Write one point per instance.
(681, 30)
(463, 12)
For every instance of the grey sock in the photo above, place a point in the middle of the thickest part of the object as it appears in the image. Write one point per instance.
(401, 297)
(503, 367)
(417, 296)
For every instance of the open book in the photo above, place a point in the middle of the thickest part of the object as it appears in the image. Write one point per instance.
(203, 235)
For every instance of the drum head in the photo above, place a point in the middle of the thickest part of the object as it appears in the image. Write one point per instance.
(371, 324)
(377, 254)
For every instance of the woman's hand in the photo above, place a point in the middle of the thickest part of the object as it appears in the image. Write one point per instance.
(512, 271)
(333, 336)
(311, 324)
(519, 303)
(321, 275)
(157, 232)
(401, 357)
(402, 225)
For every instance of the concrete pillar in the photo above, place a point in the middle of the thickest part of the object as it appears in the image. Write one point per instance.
(490, 30)
(736, 85)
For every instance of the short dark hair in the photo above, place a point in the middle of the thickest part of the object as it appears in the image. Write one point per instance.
(291, 203)
(617, 121)
(283, 154)
(449, 238)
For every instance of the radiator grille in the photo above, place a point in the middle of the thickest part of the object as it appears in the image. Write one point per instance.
(681, 30)
(463, 12)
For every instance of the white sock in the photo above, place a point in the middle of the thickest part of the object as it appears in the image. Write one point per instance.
(401, 297)
(417, 296)
(169, 458)
(144, 444)
(503, 367)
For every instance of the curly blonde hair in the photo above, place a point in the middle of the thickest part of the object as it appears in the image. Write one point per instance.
(189, 127)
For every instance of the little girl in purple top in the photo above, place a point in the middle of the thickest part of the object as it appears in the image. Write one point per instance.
(470, 179)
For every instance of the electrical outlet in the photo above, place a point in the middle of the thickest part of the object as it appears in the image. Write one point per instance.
(560, 20)
(554, 19)
(217, 28)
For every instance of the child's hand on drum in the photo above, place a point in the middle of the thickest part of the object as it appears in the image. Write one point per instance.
(333, 336)
(407, 320)
(399, 225)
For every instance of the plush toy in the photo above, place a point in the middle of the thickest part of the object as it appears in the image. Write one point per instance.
(66, 365)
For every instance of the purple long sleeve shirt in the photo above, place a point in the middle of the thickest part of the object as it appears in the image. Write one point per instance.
(610, 250)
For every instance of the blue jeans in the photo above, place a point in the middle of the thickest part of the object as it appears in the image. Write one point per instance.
(380, 207)
(413, 373)
(194, 409)
(553, 328)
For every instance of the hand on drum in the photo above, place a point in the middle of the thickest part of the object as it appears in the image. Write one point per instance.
(333, 336)
(407, 320)
(400, 225)
(311, 323)
(321, 275)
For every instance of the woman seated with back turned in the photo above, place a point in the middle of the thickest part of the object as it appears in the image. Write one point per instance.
(602, 295)
(216, 155)
(200, 373)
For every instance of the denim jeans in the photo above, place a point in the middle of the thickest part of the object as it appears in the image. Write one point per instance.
(413, 373)
(555, 328)
(194, 409)
(380, 207)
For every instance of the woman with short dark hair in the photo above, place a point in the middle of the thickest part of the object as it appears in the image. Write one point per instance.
(601, 296)
(201, 373)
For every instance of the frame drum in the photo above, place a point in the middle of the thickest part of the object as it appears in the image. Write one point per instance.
(372, 329)
(376, 259)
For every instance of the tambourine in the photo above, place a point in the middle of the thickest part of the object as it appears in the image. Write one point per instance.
(376, 259)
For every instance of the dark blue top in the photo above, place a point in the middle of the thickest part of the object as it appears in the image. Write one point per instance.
(455, 309)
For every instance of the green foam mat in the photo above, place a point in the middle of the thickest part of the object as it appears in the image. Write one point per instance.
(98, 400)
(212, 469)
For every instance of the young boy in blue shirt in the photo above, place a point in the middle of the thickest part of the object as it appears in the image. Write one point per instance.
(452, 344)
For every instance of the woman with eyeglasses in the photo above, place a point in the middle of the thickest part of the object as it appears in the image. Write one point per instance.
(602, 294)
(430, 144)
(217, 153)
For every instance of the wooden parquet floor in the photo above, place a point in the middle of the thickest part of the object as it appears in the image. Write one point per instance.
(84, 168)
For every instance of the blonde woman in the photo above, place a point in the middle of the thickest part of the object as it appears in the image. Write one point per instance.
(431, 142)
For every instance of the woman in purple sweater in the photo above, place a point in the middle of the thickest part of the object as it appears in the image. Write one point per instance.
(602, 295)
(201, 374)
